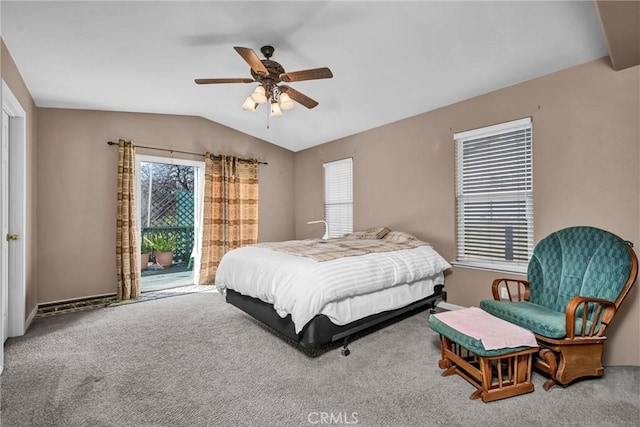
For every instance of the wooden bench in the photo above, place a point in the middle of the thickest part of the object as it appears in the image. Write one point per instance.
(496, 373)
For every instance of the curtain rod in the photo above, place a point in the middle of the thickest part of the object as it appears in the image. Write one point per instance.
(190, 152)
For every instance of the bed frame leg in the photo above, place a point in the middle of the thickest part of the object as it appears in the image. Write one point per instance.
(345, 351)
(432, 310)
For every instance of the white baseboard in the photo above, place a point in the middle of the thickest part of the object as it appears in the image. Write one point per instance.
(27, 322)
(447, 306)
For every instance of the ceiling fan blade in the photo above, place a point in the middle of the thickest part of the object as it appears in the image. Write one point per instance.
(299, 97)
(252, 59)
(213, 81)
(314, 74)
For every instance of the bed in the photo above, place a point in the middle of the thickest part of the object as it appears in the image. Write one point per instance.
(318, 291)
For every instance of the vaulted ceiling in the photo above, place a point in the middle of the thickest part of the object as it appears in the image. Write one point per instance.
(390, 60)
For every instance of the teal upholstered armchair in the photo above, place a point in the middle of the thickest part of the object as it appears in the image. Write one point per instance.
(576, 280)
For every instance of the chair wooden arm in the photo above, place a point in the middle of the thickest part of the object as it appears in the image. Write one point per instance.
(514, 287)
(604, 310)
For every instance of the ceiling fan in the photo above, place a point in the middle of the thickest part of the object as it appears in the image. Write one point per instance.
(270, 74)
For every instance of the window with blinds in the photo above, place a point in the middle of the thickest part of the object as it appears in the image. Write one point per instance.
(494, 196)
(338, 197)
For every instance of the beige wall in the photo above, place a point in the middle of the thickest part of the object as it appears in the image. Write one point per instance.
(13, 79)
(77, 188)
(586, 153)
(586, 171)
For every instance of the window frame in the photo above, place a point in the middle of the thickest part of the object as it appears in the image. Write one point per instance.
(338, 197)
(524, 197)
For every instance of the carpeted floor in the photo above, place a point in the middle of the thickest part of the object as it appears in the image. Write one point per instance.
(193, 360)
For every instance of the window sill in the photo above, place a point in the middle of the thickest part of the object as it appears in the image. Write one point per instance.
(490, 267)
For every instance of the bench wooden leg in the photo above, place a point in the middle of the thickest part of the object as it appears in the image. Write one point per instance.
(495, 377)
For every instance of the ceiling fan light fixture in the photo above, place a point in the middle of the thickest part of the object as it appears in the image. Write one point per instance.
(249, 104)
(286, 103)
(259, 96)
(275, 109)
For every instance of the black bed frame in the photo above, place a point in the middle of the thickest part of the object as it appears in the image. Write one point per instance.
(320, 330)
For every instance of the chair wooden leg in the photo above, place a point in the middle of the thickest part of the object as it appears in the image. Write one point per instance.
(579, 361)
(567, 363)
(548, 384)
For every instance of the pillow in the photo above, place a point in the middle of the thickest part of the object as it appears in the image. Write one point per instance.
(370, 233)
(400, 237)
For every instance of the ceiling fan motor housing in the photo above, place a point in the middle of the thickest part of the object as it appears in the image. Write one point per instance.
(274, 69)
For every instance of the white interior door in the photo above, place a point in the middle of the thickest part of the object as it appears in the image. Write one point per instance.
(14, 178)
(4, 230)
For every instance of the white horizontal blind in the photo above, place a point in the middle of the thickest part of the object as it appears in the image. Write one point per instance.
(494, 194)
(338, 197)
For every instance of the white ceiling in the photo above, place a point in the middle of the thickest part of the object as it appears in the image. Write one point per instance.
(390, 60)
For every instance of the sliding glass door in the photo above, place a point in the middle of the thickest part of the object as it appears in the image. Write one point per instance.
(169, 200)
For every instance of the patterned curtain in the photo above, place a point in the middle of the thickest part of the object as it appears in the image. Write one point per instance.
(127, 258)
(230, 217)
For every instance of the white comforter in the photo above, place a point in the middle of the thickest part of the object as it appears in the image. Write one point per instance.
(302, 287)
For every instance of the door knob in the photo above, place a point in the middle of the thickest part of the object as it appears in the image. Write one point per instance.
(12, 237)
